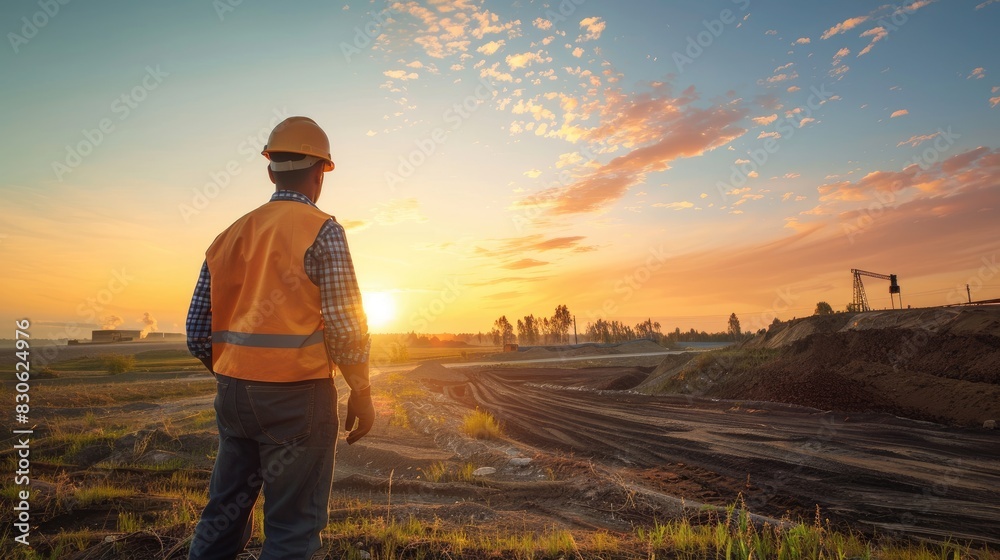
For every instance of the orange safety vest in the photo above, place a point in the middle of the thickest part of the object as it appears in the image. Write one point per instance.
(266, 318)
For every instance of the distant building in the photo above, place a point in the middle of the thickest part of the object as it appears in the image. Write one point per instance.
(165, 336)
(115, 335)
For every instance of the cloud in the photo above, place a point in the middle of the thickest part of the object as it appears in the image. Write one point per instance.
(523, 60)
(974, 169)
(986, 3)
(764, 121)
(655, 128)
(442, 29)
(495, 73)
(398, 211)
(773, 134)
(524, 263)
(899, 113)
(802, 41)
(518, 246)
(770, 32)
(994, 101)
(578, 52)
(674, 205)
(793, 89)
(401, 75)
(843, 26)
(532, 173)
(839, 56)
(594, 26)
(916, 140)
(877, 34)
(913, 238)
(355, 225)
(783, 77)
(542, 24)
(491, 47)
(977, 73)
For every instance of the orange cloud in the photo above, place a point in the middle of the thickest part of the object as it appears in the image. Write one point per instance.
(657, 128)
(843, 26)
(594, 26)
(899, 113)
(524, 263)
(877, 34)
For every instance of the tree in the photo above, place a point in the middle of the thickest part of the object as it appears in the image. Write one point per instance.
(560, 323)
(823, 308)
(734, 327)
(503, 332)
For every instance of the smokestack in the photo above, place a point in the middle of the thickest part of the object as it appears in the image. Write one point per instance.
(150, 323)
(111, 322)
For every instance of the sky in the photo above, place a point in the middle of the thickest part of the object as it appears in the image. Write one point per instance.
(678, 161)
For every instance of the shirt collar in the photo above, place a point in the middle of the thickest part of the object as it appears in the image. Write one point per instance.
(291, 195)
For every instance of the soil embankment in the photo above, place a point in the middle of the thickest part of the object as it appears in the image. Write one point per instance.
(940, 365)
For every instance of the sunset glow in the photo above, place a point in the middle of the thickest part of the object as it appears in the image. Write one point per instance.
(380, 308)
(674, 160)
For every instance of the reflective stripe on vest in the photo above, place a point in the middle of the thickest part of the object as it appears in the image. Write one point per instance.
(268, 340)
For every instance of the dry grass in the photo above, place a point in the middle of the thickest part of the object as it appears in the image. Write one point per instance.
(481, 425)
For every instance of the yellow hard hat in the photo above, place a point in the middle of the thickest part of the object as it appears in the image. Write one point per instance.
(299, 135)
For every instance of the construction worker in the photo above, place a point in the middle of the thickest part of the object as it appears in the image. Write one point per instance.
(275, 309)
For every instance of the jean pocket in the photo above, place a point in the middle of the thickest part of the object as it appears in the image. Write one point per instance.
(283, 413)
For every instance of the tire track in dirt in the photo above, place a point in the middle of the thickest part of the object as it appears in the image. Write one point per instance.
(873, 471)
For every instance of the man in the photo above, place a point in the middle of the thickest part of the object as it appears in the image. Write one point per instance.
(275, 309)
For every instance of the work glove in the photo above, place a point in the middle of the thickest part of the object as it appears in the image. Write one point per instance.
(361, 410)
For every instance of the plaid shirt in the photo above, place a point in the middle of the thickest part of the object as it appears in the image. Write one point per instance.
(328, 264)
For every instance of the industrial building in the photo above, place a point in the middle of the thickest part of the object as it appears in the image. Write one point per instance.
(164, 336)
(115, 335)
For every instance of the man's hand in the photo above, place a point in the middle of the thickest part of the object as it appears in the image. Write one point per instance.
(360, 409)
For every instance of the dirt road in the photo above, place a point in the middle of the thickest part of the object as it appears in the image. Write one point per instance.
(874, 471)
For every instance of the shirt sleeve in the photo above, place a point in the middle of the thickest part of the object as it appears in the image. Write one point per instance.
(328, 264)
(199, 318)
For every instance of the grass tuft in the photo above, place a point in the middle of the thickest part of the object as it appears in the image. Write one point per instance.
(481, 425)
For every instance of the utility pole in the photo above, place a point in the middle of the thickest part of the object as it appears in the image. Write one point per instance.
(575, 340)
(968, 293)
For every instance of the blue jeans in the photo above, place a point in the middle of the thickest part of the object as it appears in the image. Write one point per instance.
(281, 437)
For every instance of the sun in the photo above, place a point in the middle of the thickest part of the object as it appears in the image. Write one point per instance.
(380, 308)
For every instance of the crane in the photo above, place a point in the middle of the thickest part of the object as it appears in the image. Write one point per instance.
(861, 300)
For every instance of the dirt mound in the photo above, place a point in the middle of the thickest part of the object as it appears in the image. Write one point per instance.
(940, 365)
(434, 371)
(627, 381)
